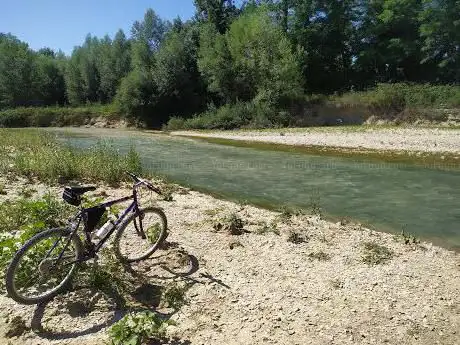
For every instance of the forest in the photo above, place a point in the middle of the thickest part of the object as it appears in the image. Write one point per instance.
(254, 64)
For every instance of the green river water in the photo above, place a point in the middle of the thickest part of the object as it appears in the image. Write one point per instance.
(389, 197)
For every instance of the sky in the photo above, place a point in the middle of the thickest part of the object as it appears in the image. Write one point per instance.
(63, 24)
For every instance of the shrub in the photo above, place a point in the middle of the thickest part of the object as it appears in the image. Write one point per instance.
(23, 218)
(374, 254)
(55, 116)
(138, 328)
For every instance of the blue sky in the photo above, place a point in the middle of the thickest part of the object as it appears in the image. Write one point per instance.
(63, 24)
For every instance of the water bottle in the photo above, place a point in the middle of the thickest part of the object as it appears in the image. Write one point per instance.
(104, 229)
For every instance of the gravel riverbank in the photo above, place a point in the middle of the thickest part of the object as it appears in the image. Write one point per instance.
(287, 279)
(401, 139)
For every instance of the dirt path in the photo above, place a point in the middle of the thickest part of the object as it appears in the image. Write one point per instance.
(400, 139)
(307, 285)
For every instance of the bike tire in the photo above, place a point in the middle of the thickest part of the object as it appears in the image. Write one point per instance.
(151, 248)
(11, 271)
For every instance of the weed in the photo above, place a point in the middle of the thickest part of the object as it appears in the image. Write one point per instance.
(320, 256)
(2, 189)
(265, 228)
(138, 328)
(315, 204)
(375, 254)
(174, 296)
(235, 244)
(296, 238)
(337, 283)
(407, 238)
(231, 223)
(213, 211)
(27, 192)
(322, 238)
(288, 212)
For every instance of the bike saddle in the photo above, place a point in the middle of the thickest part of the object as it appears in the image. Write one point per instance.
(80, 189)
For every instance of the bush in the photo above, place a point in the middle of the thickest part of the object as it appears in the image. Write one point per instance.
(54, 116)
(23, 218)
(138, 328)
(391, 99)
(231, 116)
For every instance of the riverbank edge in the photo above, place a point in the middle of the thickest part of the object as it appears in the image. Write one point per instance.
(430, 160)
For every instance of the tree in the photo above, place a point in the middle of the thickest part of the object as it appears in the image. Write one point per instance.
(253, 60)
(16, 72)
(440, 33)
(389, 48)
(49, 82)
(151, 30)
(220, 13)
(326, 31)
(180, 87)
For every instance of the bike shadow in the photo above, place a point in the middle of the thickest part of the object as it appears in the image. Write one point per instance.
(86, 310)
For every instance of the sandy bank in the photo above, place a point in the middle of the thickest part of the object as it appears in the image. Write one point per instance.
(400, 139)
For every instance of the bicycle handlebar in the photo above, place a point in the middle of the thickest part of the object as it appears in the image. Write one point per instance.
(144, 182)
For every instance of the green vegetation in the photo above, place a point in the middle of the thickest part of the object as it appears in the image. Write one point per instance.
(33, 153)
(320, 256)
(407, 238)
(297, 238)
(174, 296)
(21, 219)
(374, 254)
(55, 116)
(266, 63)
(138, 328)
(232, 223)
(265, 228)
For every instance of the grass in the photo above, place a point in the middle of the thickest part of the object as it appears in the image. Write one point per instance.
(55, 116)
(287, 212)
(265, 228)
(320, 256)
(407, 238)
(231, 223)
(391, 98)
(37, 154)
(297, 238)
(174, 296)
(375, 254)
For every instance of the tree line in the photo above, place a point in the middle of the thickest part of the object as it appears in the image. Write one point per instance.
(268, 53)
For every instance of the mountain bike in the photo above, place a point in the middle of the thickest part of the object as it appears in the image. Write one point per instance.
(44, 265)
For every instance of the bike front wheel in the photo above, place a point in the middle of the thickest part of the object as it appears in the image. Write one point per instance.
(43, 266)
(130, 245)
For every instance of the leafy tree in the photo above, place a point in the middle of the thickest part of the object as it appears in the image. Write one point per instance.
(390, 45)
(16, 72)
(180, 88)
(49, 78)
(151, 30)
(254, 59)
(440, 33)
(220, 13)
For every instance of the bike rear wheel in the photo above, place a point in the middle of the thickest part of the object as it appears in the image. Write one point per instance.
(38, 271)
(129, 245)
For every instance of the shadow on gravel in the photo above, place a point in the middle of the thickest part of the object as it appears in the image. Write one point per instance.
(69, 309)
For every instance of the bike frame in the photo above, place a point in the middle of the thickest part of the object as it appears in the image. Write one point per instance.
(90, 247)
